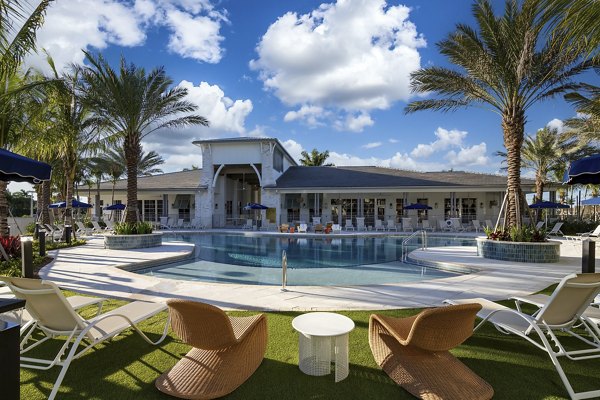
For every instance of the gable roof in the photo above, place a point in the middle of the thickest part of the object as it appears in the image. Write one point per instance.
(170, 181)
(379, 177)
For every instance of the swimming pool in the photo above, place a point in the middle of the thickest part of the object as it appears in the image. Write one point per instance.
(256, 259)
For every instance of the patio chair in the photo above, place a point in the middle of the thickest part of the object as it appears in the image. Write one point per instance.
(379, 225)
(249, 224)
(391, 225)
(55, 317)
(82, 229)
(407, 225)
(316, 220)
(97, 228)
(455, 225)
(283, 228)
(426, 226)
(476, 225)
(539, 225)
(360, 224)
(196, 224)
(349, 226)
(595, 234)
(110, 226)
(302, 228)
(445, 226)
(555, 231)
(225, 350)
(564, 310)
(336, 228)
(489, 224)
(414, 352)
(53, 231)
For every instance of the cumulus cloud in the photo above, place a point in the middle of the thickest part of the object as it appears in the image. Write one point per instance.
(294, 148)
(557, 124)
(353, 55)
(393, 140)
(311, 115)
(223, 113)
(355, 123)
(468, 156)
(445, 140)
(372, 145)
(73, 25)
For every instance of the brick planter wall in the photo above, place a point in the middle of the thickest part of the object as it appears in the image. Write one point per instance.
(546, 252)
(124, 242)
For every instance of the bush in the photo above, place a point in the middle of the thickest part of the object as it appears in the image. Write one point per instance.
(525, 233)
(571, 227)
(12, 246)
(138, 228)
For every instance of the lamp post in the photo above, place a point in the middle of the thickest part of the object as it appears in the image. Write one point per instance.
(31, 193)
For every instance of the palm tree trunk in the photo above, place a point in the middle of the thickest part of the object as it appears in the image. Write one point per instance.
(44, 202)
(133, 150)
(4, 232)
(513, 127)
(69, 206)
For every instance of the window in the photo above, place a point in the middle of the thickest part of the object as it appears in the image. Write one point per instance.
(278, 160)
(292, 203)
(399, 209)
(369, 211)
(469, 210)
(381, 209)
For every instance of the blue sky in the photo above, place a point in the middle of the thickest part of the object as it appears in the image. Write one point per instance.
(331, 76)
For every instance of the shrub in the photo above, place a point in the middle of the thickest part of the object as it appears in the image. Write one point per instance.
(525, 233)
(12, 246)
(138, 228)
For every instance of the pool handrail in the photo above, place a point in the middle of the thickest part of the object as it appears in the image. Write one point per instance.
(283, 271)
(423, 234)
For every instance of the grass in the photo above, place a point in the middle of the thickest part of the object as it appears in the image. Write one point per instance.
(127, 367)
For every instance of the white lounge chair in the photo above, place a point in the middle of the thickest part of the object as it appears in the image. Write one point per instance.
(82, 229)
(407, 225)
(110, 226)
(445, 226)
(302, 228)
(391, 225)
(349, 226)
(379, 225)
(97, 228)
(53, 231)
(476, 225)
(426, 226)
(595, 234)
(55, 317)
(196, 223)
(456, 225)
(564, 309)
(360, 223)
(163, 223)
(489, 224)
(555, 231)
(539, 225)
(249, 224)
(336, 228)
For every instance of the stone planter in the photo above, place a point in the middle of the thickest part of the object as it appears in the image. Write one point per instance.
(546, 252)
(124, 242)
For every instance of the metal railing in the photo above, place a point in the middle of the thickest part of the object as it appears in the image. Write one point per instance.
(405, 242)
(283, 271)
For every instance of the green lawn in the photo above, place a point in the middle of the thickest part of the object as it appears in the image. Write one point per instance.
(126, 367)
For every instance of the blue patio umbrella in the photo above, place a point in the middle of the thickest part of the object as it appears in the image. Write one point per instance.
(584, 171)
(548, 204)
(255, 206)
(74, 204)
(594, 201)
(417, 206)
(113, 207)
(17, 168)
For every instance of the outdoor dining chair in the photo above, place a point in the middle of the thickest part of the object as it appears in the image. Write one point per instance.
(55, 318)
(379, 225)
(225, 350)
(349, 226)
(414, 352)
(391, 225)
(564, 310)
(407, 225)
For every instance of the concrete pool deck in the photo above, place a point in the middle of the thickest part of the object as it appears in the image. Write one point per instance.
(91, 269)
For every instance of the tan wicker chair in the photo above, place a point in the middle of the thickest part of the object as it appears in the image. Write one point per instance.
(413, 351)
(226, 351)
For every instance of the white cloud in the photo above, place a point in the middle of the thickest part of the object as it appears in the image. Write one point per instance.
(393, 140)
(557, 124)
(353, 55)
(294, 148)
(468, 156)
(311, 115)
(73, 25)
(223, 113)
(356, 123)
(372, 145)
(445, 139)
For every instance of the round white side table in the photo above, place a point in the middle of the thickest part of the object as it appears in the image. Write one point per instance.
(321, 336)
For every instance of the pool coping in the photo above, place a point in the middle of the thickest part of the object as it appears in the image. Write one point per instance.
(93, 270)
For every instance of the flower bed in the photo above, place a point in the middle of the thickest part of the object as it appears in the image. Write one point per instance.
(124, 242)
(544, 252)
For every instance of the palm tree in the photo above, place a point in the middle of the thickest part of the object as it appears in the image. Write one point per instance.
(18, 26)
(130, 105)
(507, 66)
(315, 158)
(147, 164)
(576, 21)
(587, 104)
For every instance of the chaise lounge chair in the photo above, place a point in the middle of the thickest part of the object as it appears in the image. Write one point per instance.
(302, 228)
(414, 352)
(595, 234)
(55, 317)
(564, 309)
(225, 350)
(555, 231)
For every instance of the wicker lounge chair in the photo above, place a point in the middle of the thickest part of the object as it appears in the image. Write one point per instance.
(55, 317)
(566, 308)
(414, 352)
(226, 351)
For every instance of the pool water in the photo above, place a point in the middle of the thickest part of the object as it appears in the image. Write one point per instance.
(256, 259)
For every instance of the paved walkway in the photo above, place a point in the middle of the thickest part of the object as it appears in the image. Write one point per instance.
(93, 270)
